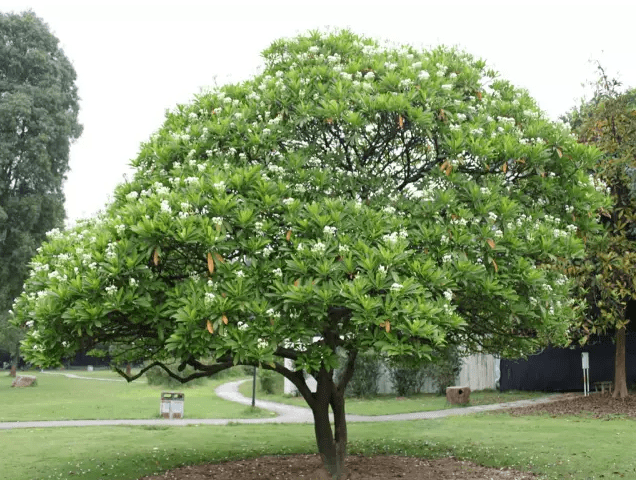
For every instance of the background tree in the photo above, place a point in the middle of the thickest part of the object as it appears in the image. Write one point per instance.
(352, 198)
(38, 120)
(608, 121)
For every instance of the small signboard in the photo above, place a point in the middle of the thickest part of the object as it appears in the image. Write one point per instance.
(585, 360)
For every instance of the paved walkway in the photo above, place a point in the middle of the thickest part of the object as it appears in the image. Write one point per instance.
(71, 375)
(286, 414)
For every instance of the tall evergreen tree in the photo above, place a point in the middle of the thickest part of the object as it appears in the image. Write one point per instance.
(38, 121)
(608, 121)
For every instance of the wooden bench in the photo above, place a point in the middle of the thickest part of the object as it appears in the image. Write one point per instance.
(603, 385)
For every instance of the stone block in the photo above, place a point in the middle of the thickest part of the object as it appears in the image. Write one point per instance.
(24, 381)
(458, 395)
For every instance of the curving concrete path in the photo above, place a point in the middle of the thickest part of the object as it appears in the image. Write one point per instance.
(286, 414)
(71, 375)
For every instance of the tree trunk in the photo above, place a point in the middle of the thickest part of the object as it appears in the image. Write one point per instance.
(340, 427)
(128, 369)
(332, 449)
(14, 361)
(620, 376)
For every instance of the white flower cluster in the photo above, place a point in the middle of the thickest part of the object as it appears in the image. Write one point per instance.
(111, 251)
(275, 169)
(111, 290)
(459, 221)
(318, 247)
(161, 189)
(242, 326)
(389, 209)
(396, 287)
(394, 237)
(209, 298)
(329, 231)
(55, 275)
(507, 121)
(551, 219)
(426, 191)
(39, 267)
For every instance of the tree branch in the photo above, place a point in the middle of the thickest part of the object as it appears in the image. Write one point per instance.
(348, 371)
(297, 378)
(208, 371)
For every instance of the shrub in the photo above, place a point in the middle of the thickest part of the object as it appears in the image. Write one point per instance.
(444, 371)
(364, 382)
(267, 380)
(407, 380)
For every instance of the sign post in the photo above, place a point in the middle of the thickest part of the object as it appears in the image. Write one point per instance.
(585, 359)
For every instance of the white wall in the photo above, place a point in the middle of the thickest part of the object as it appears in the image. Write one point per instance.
(479, 371)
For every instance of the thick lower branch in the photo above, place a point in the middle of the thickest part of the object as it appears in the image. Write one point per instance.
(209, 371)
(347, 374)
(297, 378)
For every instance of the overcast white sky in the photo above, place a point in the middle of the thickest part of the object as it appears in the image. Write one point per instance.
(136, 58)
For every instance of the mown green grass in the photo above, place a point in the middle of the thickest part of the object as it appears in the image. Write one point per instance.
(389, 404)
(57, 397)
(556, 448)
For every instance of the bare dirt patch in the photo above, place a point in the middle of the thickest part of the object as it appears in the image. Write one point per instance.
(308, 467)
(596, 405)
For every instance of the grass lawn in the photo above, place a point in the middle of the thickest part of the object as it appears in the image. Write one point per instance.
(57, 397)
(558, 448)
(389, 404)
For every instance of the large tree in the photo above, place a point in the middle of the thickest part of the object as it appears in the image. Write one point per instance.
(608, 121)
(353, 197)
(38, 121)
